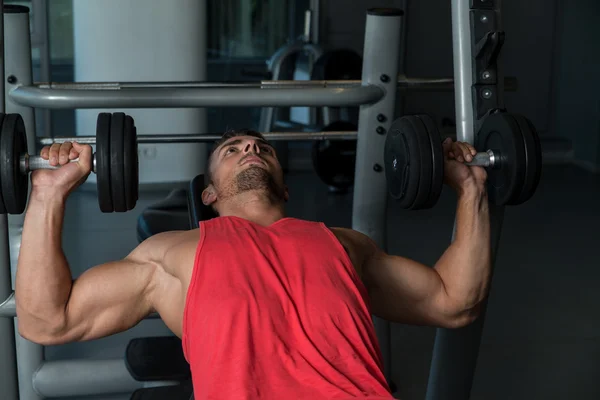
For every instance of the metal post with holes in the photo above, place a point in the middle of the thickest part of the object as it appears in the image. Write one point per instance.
(380, 67)
(8, 377)
(479, 91)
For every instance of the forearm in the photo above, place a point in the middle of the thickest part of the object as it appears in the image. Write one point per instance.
(465, 267)
(44, 280)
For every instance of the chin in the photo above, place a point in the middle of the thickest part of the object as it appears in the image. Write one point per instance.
(257, 178)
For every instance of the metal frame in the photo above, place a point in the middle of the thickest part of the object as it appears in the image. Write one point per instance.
(18, 71)
(455, 351)
(8, 345)
(381, 59)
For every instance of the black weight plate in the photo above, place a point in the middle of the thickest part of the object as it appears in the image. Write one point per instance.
(13, 143)
(130, 161)
(426, 160)
(117, 166)
(401, 162)
(501, 134)
(103, 179)
(2, 206)
(334, 160)
(137, 167)
(437, 178)
(533, 154)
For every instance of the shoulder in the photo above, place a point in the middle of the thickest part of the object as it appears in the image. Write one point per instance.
(360, 247)
(357, 240)
(156, 247)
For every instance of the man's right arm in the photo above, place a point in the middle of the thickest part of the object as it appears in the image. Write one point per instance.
(107, 299)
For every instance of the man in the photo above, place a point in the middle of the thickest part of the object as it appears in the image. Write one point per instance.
(267, 306)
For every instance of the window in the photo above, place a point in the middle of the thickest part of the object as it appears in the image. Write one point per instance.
(246, 28)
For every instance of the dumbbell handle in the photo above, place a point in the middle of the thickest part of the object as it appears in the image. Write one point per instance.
(32, 163)
(485, 159)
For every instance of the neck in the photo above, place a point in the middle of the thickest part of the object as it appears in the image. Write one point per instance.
(253, 206)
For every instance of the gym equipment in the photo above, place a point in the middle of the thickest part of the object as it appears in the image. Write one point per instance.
(508, 146)
(337, 65)
(334, 160)
(115, 162)
(478, 85)
(168, 214)
(206, 94)
(183, 391)
(157, 358)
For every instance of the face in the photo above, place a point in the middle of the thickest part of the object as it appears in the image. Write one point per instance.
(242, 164)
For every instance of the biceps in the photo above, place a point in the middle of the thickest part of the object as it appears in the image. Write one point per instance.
(403, 290)
(108, 299)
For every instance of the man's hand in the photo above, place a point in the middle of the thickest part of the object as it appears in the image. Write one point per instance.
(70, 175)
(458, 175)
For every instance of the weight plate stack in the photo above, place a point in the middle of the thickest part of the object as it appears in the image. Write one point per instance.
(533, 163)
(401, 171)
(437, 180)
(425, 158)
(13, 143)
(117, 162)
(409, 165)
(130, 162)
(103, 152)
(501, 134)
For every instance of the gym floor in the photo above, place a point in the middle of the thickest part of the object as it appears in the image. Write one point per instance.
(541, 337)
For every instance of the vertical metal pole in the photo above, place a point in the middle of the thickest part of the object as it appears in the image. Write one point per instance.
(40, 29)
(455, 352)
(463, 70)
(18, 71)
(380, 67)
(8, 377)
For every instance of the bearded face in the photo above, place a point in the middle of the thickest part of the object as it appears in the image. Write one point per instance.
(244, 164)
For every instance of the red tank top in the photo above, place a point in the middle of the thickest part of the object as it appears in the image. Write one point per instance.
(278, 312)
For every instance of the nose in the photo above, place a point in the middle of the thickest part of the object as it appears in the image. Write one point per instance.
(252, 146)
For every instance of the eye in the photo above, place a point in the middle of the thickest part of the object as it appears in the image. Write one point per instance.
(266, 149)
(230, 149)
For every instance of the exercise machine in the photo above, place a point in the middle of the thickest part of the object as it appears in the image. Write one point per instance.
(380, 166)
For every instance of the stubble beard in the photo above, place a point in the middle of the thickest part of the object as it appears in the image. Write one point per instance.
(258, 179)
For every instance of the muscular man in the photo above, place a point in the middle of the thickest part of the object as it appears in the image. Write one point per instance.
(267, 306)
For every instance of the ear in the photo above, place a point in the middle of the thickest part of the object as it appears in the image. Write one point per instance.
(209, 196)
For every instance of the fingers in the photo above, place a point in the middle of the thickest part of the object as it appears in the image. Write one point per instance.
(84, 153)
(62, 153)
(459, 151)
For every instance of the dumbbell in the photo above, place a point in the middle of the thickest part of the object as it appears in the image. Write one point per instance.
(508, 147)
(115, 163)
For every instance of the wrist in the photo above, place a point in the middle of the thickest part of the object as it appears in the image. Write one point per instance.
(47, 196)
(471, 188)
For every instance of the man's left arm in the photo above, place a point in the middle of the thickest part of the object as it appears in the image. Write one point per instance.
(450, 293)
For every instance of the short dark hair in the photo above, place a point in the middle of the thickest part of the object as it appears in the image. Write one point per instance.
(226, 136)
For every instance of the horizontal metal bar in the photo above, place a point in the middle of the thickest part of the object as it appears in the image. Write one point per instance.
(67, 378)
(196, 97)
(107, 86)
(483, 159)
(404, 84)
(8, 308)
(407, 84)
(203, 138)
